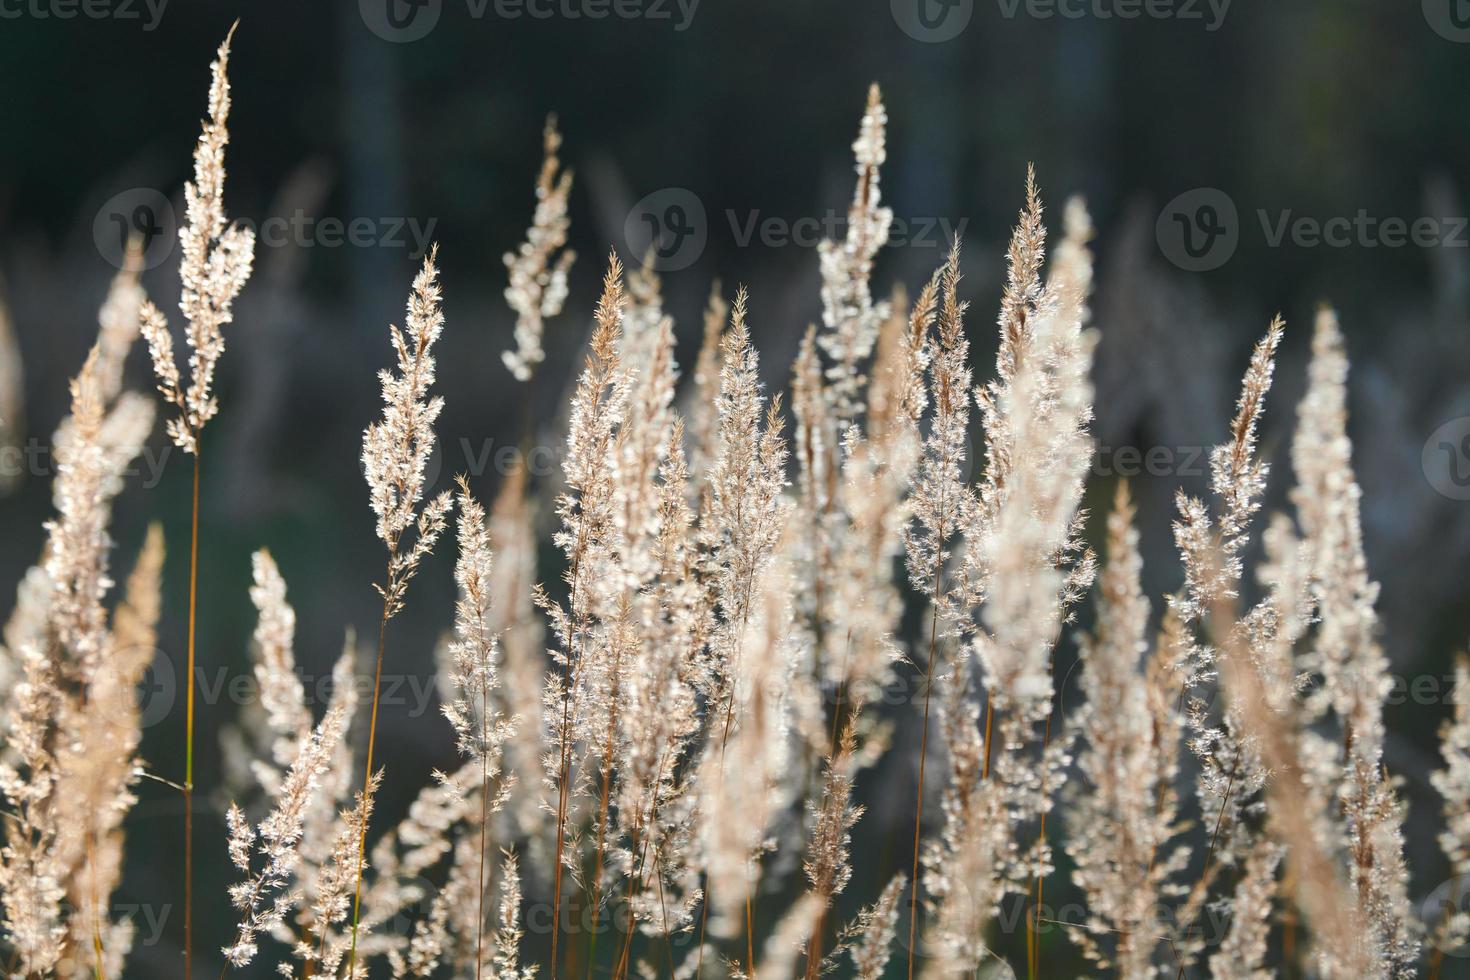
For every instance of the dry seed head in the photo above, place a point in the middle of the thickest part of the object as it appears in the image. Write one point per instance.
(538, 274)
(396, 448)
(216, 263)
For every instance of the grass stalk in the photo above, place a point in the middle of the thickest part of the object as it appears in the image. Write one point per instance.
(1033, 934)
(569, 680)
(189, 722)
(607, 764)
(724, 744)
(923, 759)
(484, 826)
(814, 944)
(367, 784)
(638, 843)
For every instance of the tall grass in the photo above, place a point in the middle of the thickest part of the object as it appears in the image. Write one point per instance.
(216, 263)
(709, 714)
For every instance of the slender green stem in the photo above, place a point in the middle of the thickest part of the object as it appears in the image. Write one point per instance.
(189, 726)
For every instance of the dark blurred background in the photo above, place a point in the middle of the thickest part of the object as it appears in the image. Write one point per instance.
(1313, 109)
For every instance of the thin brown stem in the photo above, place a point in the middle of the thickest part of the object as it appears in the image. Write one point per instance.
(621, 968)
(923, 759)
(703, 919)
(814, 945)
(724, 744)
(622, 964)
(989, 720)
(663, 911)
(569, 680)
(749, 931)
(1441, 937)
(1033, 936)
(97, 949)
(484, 823)
(607, 763)
(189, 725)
(367, 781)
(636, 879)
(1214, 840)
